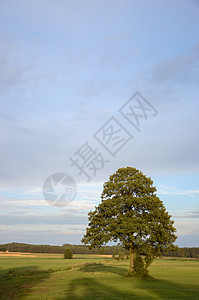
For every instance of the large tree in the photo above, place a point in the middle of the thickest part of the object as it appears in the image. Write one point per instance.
(131, 213)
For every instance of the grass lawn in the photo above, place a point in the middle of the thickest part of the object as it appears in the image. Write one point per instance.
(87, 277)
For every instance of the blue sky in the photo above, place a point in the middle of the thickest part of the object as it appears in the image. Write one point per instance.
(66, 68)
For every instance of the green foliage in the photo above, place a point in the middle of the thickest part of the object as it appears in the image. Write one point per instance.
(131, 212)
(148, 260)
(68, 254)
(139, 268)
(3, 249)
(121, 255)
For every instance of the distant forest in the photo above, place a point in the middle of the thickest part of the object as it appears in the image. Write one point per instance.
(82, 249)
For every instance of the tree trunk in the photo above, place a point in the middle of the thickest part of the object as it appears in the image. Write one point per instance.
(132, 257)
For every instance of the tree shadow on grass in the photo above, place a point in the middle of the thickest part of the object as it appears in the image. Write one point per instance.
(87, 287)
(93, 267)
(165, 289)
(16, 282)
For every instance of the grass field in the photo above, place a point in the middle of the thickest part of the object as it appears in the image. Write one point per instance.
(42, 276)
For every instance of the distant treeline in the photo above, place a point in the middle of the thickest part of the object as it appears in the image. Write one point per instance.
(82, 249)
(76, 249)
(192, 252)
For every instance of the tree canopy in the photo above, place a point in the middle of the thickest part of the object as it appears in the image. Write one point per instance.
(130, 212)
(68, 254)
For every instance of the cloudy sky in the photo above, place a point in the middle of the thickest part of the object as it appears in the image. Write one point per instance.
(67, 72)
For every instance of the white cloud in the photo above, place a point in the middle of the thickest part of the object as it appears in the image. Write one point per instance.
(180, 69)
(187, 228)
(188, 214)
(169, 190)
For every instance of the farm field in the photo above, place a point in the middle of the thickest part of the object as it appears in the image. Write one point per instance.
(46, 276)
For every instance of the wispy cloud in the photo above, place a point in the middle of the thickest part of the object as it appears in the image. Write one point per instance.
(187, 228)
(169, 190)
(178, 70)
(189, 214)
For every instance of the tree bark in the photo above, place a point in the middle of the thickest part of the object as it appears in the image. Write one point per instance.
(132, 257)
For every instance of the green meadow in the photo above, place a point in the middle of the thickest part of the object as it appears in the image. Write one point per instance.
(92, 277)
